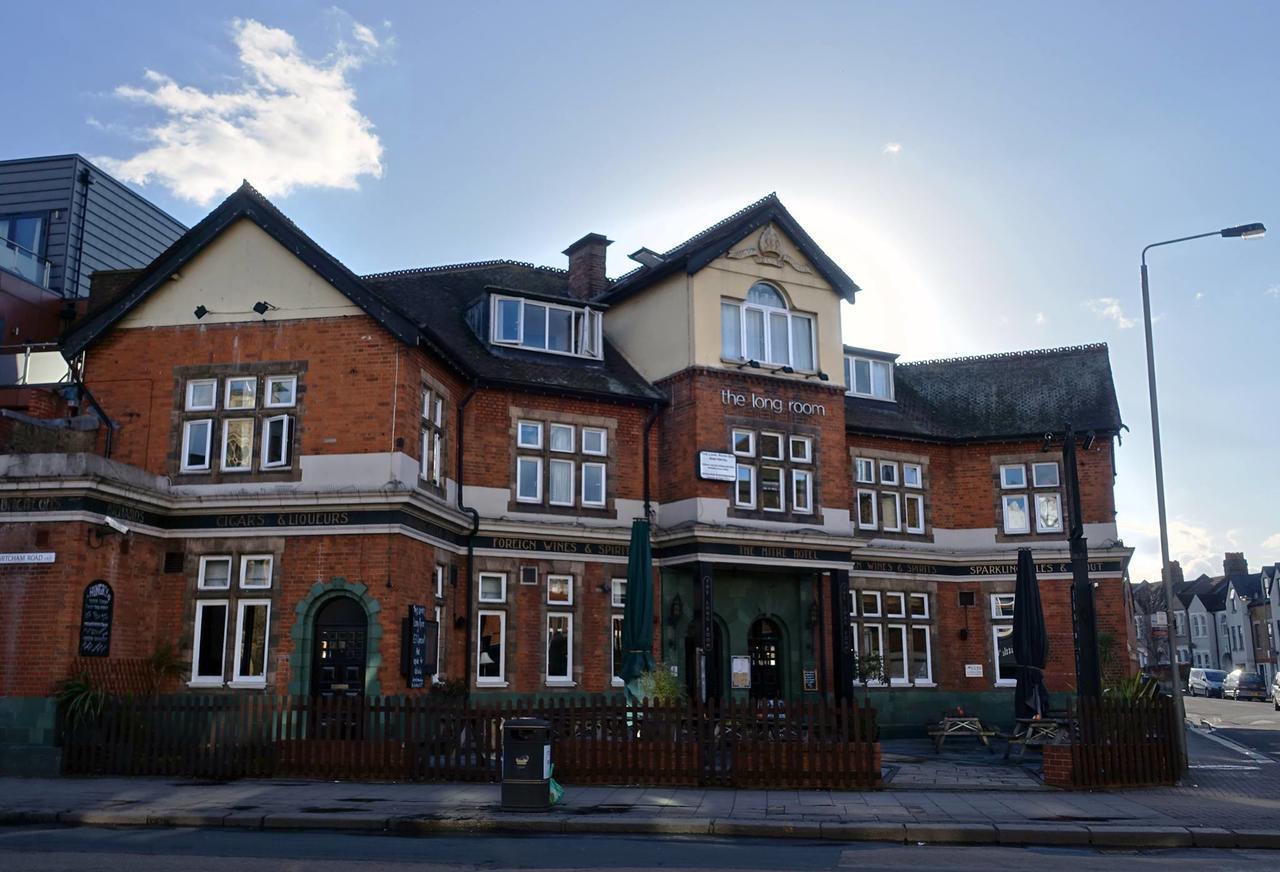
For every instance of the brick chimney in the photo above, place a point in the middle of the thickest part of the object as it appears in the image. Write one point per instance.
(1233, 563)
(586, 266)
(1175, 572)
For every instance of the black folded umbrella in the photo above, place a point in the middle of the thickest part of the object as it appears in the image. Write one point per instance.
(1030, 641)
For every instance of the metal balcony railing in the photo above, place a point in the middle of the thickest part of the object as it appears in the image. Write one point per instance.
(25, 263)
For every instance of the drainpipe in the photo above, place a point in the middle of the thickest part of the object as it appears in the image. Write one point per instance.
(471, 534)
(648, 426)
(85, 180)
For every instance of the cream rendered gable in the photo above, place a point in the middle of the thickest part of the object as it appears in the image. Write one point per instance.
(765, 255)
(242, 266)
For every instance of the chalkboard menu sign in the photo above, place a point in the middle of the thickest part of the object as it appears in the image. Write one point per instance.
(418, 644)
(95, 620)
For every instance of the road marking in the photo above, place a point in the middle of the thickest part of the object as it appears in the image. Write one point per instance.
(1224, 766)
(1227, 743)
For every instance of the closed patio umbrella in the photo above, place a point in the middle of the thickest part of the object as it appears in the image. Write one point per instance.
(637, 614)
(1030, 641)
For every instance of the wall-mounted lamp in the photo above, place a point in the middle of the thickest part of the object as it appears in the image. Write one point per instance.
(754, 364)
(1089, 438)
(200, 312)
(788, 369)
(1045, 445)
(677, 609)
(262, 307)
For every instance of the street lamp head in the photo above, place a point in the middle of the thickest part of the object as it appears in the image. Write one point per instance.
(1245, 231)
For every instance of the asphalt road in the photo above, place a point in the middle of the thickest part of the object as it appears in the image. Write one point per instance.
(1255, 725)
(86, 849)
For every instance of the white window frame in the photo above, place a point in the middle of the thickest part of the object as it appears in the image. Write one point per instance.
(198, 680)
(807, 442)
(798, 475)
(879, 612)
(201, 583)
(569, 587)
(238, 680)
(435, 676)
(897, 502)
(879, 632)
(246, 559)
(737, 500)
(614, 680)
(537, 479)
(520, 443)
(283, 461)
(585, 327)
(439, 576)
(565, 680)
(918, 499)
(751, 442)
(1035, 501)
(998, 631)
(573, 472)
(904, 679)
(919, 471)
(875, 509)
(190, 405)
(781, 442)
(502, 578)
(615, 600)
(998, 601)
(851, 381)
(782, 488)
(1035, 473)
(1009, 530)
(226, 398)
(890, 596)
(208, 445)
(927, 681)
(604, 484)
(861, 463)
(1005, 468)
(266, 387)
(555, 427)
(912, 599)
(881, 466)
(604, 441)
(500, 680)
(767, 312)
(226, 435)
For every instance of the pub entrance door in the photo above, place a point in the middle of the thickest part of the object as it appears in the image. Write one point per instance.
(338, 664)
(764, 645)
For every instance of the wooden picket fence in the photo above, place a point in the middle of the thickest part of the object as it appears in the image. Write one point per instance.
(1118, 743)
(224, 736)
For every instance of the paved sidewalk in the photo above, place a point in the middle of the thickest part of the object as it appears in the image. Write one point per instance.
(1209, 810)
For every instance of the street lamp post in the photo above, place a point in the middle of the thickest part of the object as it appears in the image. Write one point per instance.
(1243, 231)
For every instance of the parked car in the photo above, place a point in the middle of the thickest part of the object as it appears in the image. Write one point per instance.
(1275, 691)
(1205, 682)
(1244, 685)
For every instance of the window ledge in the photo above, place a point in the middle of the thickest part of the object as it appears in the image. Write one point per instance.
(205, 682)
(618, 682)
(480, 682)
(246, 683)
(1006, 683)
(925, 684)
(552, 682)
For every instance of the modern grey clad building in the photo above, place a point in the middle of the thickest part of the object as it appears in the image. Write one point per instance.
(62, 218)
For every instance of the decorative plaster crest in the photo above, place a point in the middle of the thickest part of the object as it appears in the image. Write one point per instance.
(768, 252)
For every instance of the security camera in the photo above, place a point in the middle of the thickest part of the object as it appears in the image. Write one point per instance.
(114, 524)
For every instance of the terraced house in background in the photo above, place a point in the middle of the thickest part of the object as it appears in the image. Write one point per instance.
(292, 456)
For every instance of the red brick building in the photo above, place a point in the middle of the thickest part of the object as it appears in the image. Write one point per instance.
(286, 457)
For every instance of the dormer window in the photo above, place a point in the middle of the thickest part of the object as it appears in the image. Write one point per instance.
(764, 329)
(542, 326)
(869, 377)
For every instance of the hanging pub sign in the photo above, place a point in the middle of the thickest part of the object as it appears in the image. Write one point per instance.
(95, 620)
(418, 648)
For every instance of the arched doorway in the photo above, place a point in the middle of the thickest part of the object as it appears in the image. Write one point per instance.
(764, 645)
(341, 649)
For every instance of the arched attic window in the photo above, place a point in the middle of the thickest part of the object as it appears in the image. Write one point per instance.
(763, 328)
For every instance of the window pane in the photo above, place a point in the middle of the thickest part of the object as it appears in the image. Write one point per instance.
(561, 437)
(1045, 474)
(802, 342)
(593, 484)
(241, 393)
(802, 491)
(889, 511)
(771, 446)
(861, 376)
(561, 482)
(765, 295)
(617, 647)
(491, 588)
(800, 449)
(1015, 514)
(197, 456)
(509, 320)
(915, 513)
(212, 631)
(730, 331)
(1013, 476)
(535, 326)
(253, 641)
(743, 443)
(866, 471)
(490, 646)
(872, 643)
(528, 487)
(237, 443)
(559, 329)
(593, 441)
(870, 604)
(217, 573)
(618, 592)
(779, 338)
(201, 394)
(257, 572)
(558, 646)
(920, 654)
(919, 605)
(888, 473)
(867, 509)
(277, 446)
(880, 379)
(771, 488)
(895, 658)
(529, 435)
(1048, 513)
(1006, 663)
(755, 334)
(281, 391)
(911, 474)
(745, 493)
(559, 589)
(895, 605)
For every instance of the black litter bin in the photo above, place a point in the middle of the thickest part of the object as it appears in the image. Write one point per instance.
(526, 765)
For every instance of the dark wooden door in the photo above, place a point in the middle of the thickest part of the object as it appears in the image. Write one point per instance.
(764, 644)
(338, 665)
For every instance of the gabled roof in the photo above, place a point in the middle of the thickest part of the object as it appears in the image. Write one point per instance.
(995, 396)
(247, 203)
(700, 249)
(448, 303)
(1246, 585)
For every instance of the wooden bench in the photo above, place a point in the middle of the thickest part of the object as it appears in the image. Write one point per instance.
(961, 726)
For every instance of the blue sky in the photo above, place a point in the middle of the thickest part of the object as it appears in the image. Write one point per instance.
(988, 173)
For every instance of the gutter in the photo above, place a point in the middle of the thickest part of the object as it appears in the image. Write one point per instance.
(471, 534)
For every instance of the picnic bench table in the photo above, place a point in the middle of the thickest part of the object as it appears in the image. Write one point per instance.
(961, 726)
(1035, 731)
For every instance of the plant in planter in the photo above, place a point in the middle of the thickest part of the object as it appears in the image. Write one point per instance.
(165, 667)
(80, 700)
(661, 686)
(868, 668)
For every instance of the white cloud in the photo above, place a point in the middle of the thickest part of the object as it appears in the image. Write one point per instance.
(291, 122)
(1199, 296)
(1192, 545)
(1041, 319)
(891, 148)
(1109, 307)
(1273, 291)
(1272, 542)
